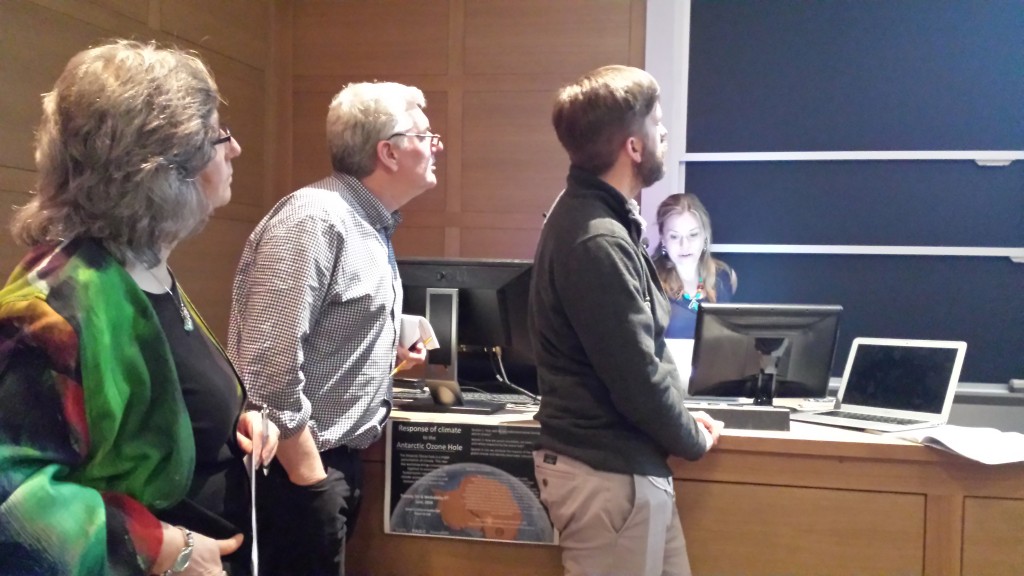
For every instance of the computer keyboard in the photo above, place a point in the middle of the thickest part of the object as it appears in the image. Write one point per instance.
(506, 397)
(410, 394)
(870, 417)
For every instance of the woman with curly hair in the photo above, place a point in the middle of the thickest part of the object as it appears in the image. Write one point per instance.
(688, 272)
(122, 422)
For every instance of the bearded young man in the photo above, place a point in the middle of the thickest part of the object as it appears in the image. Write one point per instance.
(612, 399)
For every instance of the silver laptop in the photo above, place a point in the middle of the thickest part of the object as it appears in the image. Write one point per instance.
(893, 385)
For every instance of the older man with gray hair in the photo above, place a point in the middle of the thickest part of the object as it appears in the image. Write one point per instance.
(315, 320)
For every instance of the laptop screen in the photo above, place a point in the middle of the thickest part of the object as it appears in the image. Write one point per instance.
(900, 377)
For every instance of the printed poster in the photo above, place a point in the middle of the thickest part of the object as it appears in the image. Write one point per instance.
(463, 481)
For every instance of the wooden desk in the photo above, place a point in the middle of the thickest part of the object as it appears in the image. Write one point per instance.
(812, 501)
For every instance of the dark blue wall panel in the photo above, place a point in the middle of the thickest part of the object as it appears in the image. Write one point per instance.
(820, 75)
(889, 203)
(931, 298)
(786, 75)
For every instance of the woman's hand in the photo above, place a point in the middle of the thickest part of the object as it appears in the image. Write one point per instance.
(206, 552)
(250, 427)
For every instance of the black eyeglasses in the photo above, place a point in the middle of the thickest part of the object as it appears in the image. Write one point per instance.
(225, 138)
(435, 139)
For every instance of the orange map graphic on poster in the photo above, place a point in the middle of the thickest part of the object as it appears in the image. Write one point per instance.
(481, 503)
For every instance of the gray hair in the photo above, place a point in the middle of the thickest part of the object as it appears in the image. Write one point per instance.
(124, 133)
(363, 114)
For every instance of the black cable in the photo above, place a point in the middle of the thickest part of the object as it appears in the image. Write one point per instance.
(503, 378)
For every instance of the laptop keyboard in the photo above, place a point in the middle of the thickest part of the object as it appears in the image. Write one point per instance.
(870, 417)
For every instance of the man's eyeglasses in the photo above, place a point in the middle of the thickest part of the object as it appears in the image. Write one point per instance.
(435, 139)
(225, 138)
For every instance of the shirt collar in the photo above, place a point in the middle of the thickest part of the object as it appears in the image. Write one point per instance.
(376, 214)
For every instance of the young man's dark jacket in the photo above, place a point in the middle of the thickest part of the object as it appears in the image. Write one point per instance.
(611, 394)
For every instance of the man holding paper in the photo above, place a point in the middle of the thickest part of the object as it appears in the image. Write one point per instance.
(315, 320)
(415, 333)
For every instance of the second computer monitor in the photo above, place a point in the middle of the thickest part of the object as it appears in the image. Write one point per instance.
(491, 312)
(763, 351)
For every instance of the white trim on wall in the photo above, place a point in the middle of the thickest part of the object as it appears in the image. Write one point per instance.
(1016, 254)
(981, 157)
(667, 58)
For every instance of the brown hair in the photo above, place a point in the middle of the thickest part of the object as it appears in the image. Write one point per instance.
(596, 114)
(124, 133)
(707, 265)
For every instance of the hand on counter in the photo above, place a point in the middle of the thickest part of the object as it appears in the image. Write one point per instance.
(711, 428)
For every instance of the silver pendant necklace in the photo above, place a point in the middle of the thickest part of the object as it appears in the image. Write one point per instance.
(186, 318)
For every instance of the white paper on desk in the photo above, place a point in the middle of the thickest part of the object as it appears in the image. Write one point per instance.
(416, 329)
(250, 466)
(682, 354)
(985, 445)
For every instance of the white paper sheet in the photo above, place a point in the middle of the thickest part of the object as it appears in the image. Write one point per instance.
(985, 445)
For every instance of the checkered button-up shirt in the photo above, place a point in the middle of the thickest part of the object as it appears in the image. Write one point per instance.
(314, 314)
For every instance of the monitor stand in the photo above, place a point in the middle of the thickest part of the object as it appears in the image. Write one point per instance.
(771, 350)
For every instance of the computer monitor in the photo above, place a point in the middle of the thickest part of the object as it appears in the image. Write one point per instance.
(490, 314)
(764, 351)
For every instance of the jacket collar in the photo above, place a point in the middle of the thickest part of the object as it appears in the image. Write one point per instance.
(626, 211)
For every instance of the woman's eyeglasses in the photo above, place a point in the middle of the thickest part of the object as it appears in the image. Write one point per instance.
(225, 138)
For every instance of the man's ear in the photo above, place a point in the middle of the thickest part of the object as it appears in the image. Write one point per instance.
(635, 148)
(387, 154)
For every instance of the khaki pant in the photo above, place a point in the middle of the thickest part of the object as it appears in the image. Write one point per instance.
(611, 524)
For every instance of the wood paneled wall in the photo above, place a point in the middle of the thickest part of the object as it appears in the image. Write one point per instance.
(232, 36)
(489, 70)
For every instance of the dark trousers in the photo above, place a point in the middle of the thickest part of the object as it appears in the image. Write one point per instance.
(303, 529)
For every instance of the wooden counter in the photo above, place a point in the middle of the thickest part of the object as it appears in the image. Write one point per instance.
(815, 500)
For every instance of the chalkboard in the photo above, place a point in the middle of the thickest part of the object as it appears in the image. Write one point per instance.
(810, 75)
(903, 297)
(934, 203)
(793, 75)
